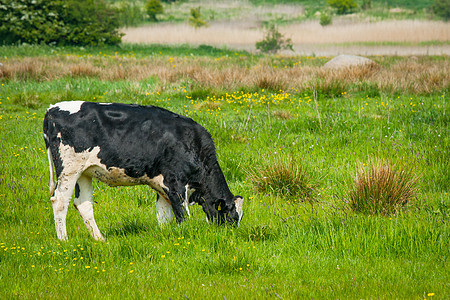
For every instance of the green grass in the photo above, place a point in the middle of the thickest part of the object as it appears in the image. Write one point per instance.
(282, 249)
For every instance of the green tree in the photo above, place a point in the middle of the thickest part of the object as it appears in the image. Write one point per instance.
(342, 6)
(442, 9)
(154, 8)
(274, 41)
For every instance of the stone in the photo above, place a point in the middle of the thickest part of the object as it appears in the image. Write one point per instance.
(344, 61)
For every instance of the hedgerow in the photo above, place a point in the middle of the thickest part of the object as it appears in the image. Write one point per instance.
(81, 22)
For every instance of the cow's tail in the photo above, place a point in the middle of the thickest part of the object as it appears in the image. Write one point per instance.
(52, 175)
(50, 159)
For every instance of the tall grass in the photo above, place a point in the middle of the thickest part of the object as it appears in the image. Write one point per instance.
(241, 70)
(382, 188)
(309, 32)
(286, 177)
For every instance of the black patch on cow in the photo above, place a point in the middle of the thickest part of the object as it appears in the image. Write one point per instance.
(77, 190)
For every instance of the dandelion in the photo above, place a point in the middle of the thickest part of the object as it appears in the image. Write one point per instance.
(430, 294)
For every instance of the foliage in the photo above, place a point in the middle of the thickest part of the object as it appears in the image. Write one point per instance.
(195, 19)
(284, 176)
(366, 4)
(274, 41)
(342, 6)
(154, 8)
(442, 9)
(325, 19)
(85, 22)
(130, 13)
(382, 188)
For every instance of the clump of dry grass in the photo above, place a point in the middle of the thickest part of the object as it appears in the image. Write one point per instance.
(382, 188)
(207, 104)
(282, 114)
(284, 176)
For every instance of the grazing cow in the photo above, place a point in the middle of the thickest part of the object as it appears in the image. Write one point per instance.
(122, 144)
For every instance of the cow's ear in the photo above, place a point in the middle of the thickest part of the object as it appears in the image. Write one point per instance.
(220, 205)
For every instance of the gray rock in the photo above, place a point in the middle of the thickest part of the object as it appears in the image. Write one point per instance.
(343, 61)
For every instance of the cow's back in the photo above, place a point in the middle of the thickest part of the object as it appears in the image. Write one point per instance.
(139, 139)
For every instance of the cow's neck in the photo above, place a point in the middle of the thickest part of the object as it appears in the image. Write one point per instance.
(216, 184)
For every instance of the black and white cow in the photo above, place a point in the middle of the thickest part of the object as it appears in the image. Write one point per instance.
(122, 144)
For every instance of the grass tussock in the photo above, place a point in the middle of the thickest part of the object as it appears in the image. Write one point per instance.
(282, 114)
(284, 176)
(382, 188)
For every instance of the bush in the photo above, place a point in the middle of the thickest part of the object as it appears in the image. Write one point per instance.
(196, 18)
(284, 176)
(342, 6)
(325, 19)
(83, 22)
(153, 8)
(381, 188)
(273, 41)
(442, 9)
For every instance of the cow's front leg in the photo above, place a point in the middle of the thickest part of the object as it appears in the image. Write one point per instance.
(177, 205)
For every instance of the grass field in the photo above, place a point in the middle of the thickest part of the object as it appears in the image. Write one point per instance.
(257, 108)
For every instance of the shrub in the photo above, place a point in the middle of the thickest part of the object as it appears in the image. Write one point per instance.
(83, 22)
(284, 176)
(342, 6)
(442, 9)
(381, 188)
(153, 8)
(195, 19)
(273, 41)
(325, 19)
(90, 22)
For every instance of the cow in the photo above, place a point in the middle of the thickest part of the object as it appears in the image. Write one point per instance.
(126, 144)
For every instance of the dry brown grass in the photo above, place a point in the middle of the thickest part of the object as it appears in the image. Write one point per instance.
(382, 188)
(342, 31)
(421, 75)
(282, 114)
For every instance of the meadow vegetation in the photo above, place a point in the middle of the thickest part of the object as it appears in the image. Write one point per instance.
(294, 139)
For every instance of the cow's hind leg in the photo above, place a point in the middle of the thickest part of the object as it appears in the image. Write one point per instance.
(164, 212)
(84, 204)
(60, 203)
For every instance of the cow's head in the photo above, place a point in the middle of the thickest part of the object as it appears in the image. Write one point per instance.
(224, 211)
(230, 212)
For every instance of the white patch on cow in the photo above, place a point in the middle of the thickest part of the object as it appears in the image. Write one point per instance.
(52, 175)
(105, 103)
(239, 202)
(164, 211)
(70, 106)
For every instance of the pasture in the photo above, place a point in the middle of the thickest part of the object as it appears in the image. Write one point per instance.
(257, 108)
